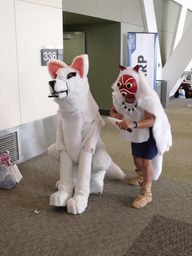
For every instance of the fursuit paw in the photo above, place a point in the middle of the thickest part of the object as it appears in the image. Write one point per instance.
(96, 188)
(77, 204)
(59, 198)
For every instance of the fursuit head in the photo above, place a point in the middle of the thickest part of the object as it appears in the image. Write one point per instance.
(82, 156)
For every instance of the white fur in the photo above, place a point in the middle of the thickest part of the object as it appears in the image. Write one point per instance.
(82, 154)
(148, 100)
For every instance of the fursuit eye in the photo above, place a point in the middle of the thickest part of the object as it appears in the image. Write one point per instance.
(71, 74)
(129, 85)
(119, 84)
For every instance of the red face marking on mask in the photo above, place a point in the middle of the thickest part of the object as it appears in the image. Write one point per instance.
(127, 86)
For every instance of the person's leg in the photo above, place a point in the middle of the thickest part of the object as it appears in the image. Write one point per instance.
(138, 161)
(148, 172)
(137, 180)
(145, 196)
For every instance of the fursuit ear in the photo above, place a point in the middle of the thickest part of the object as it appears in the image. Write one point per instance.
(81, 63)
(122, 68)
(54, 65)
(136, 68)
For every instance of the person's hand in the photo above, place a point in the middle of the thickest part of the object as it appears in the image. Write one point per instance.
(126, 125)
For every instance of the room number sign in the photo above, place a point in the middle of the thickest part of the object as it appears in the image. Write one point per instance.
(49, 54)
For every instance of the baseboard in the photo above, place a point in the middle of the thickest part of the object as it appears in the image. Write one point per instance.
(32, 139)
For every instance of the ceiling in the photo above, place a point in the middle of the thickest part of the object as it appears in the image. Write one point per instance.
(78, 19)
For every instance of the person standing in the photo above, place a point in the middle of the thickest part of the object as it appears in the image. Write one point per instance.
(143, 122)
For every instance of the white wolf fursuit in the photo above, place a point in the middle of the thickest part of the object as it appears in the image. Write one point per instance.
(83, 158)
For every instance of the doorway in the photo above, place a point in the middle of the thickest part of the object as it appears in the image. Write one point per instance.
(73, 45)
(100, 39)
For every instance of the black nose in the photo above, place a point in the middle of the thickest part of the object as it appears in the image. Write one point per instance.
(52, 83)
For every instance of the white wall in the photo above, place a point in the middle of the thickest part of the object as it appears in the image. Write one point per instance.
(52, 3)
(127, 11)
(167, 13)
(188, 20)
(37, 26)
(9, 94)
(25, 27)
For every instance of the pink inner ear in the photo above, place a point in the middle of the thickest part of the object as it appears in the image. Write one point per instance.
(54, 66)
(122, 67)
(78, 65)
(136, 68)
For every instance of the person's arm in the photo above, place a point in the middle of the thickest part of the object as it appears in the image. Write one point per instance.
(147, 122)
(115, 114)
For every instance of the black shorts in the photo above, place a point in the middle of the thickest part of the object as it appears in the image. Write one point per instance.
(147, 149)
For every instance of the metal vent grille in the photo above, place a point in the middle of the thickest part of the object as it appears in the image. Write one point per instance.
(10, 142)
